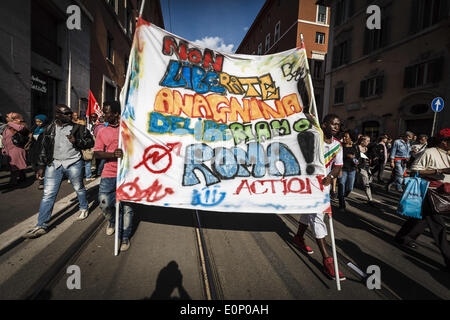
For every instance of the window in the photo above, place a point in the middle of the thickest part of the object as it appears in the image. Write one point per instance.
(424, 73)
(371, 87)
(44, 34)
(276, 35)
(339, 95)
(320, 37)
(321, 14)
(260, 48)
(344, 10)
(109, 93)
(341, 54)
(109, 48)
(376, 38)
(317, 70)
(425, 13)
(267, 46)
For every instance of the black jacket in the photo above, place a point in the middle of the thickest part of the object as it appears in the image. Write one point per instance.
(46, 142)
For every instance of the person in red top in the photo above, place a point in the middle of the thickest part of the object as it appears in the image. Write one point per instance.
(107, 148)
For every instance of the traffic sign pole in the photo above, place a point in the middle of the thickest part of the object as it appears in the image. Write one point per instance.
(434, 124)
(436, 105)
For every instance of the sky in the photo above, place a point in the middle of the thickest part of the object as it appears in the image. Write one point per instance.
(218, 25)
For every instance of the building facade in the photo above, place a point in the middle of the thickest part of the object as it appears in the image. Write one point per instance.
(384, 80)
(44, 63)
(277, 28)
(112, 37)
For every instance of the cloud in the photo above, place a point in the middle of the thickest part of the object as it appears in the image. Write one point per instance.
(245, 28)
(215, 43)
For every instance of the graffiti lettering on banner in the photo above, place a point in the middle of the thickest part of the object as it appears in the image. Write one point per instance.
(220, 131)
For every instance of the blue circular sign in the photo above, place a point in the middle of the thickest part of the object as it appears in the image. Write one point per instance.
(437, 104)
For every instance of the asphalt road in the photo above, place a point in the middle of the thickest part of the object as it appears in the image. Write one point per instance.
(23, 201)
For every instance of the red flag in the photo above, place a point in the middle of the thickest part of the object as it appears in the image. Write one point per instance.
(93, 106)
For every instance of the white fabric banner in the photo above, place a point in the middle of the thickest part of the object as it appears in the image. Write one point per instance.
(222, 132)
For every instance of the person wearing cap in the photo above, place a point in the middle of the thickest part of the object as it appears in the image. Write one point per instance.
(434, 166)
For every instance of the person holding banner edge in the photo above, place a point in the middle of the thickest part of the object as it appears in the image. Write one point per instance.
(333, 163)
(106, 148)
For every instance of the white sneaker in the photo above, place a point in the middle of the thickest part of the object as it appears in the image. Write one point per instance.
(36, 232)
(125, 245)
(83, 214)
(110, 229)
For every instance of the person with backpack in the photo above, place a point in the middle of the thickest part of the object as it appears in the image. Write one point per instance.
(15, 136)
(60, 154)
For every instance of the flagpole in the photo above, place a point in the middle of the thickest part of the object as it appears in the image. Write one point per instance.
(123, 96)
(313, 110)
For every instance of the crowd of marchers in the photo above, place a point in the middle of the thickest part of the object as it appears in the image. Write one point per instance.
(68, 148)
(76, 149)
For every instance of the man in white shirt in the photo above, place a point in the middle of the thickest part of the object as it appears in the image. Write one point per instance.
(434, 166)
(333, 155)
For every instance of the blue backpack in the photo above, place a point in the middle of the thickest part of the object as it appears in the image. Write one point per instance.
(411, 202)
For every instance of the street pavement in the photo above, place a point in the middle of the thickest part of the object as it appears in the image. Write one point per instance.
(21, 202)
(249, 257)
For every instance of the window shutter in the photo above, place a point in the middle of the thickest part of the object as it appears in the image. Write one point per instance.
(348, 51)
(435, 70)
(363, 89)
(407, 81)
(379, 85)
(414, 17)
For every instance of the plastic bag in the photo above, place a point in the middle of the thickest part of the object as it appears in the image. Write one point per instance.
(411, 202)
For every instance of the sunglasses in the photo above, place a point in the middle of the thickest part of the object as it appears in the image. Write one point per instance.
(65, 113)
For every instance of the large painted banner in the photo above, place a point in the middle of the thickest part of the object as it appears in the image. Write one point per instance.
(221, 132)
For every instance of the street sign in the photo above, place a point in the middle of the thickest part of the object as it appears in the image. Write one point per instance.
(437, 104)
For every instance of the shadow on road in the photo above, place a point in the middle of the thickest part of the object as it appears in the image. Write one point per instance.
(403, 286)
(169, 279)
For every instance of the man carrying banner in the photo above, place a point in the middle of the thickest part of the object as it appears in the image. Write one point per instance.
(333, 155)
(106, 147)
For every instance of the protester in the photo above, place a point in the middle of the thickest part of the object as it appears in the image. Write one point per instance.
(333, 163)
(38, 128)
(87, 162)
(93, 125)
(60, 153)
(96, 129)
(106, 147)
(379, 156)
(347, 179)
(364, 173)
(400, 154)
(15, 136)
(434, 166)
(418, 148)
(3, 126)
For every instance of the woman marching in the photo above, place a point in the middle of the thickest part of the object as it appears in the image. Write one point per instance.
(15, 137)
(40, 123)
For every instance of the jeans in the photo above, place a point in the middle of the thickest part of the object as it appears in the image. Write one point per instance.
(399, 170)
(87, 169)
(52, 182)
(366, 179)
(107, 200)
(345, 185)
